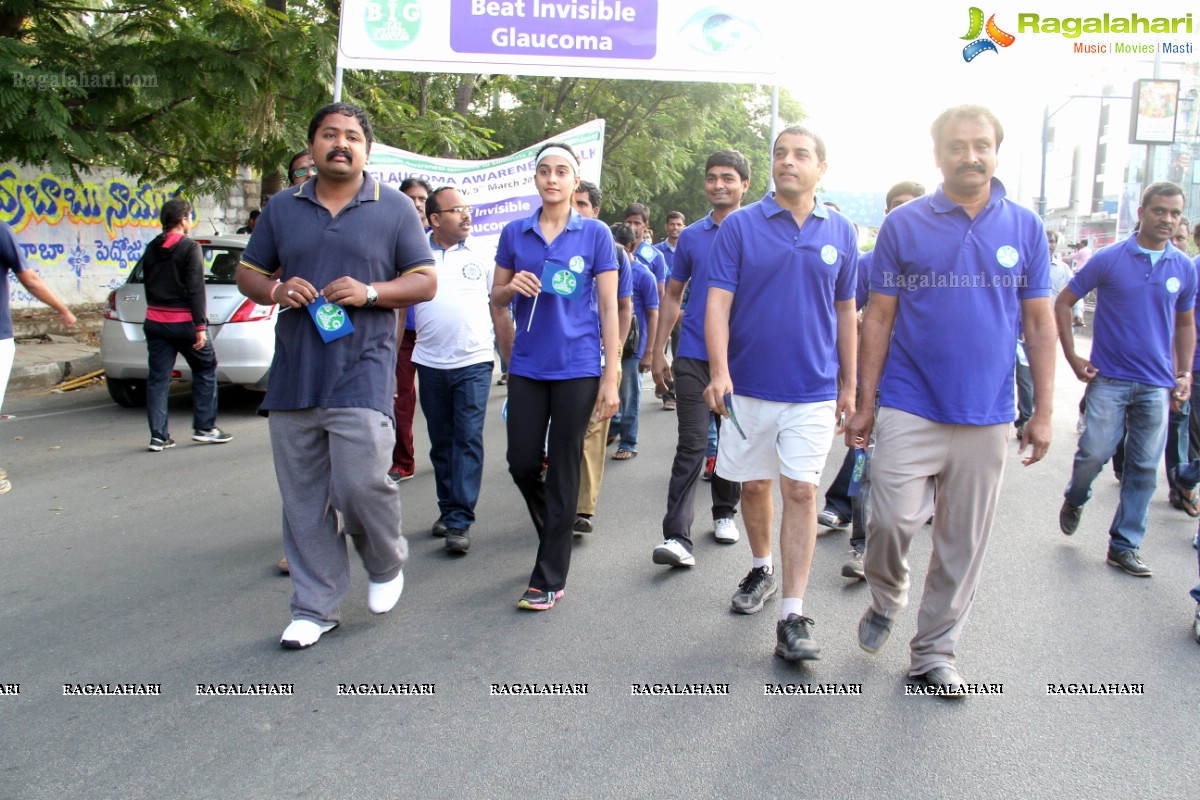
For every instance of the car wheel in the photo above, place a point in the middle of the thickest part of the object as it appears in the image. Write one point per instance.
(130, 394)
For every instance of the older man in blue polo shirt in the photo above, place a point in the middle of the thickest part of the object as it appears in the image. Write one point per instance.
(950, 275)
(780, 328)
(1144, 336)
(339, 255)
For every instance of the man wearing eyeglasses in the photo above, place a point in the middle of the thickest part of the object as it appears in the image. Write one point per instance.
(453, 355)
(301, 168)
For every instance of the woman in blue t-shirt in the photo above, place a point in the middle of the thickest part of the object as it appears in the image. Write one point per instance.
(559, 272)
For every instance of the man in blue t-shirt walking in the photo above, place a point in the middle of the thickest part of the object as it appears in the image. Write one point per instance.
(951, 274)
(780, 329)
(1143, 339)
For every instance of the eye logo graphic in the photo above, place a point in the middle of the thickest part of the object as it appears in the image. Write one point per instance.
(995, 36)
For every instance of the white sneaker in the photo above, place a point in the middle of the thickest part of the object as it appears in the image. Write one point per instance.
(382, 597)
(674, 554)
(304, 633)
(726, 531)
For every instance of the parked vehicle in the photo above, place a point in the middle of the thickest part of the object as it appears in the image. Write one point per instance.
(242, 331)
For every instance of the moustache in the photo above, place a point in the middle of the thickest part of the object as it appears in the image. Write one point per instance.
(970, 168)
(337, 152)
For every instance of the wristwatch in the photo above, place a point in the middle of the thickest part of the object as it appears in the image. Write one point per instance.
(372, 296)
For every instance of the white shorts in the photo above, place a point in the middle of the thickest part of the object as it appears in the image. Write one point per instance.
(789, 439)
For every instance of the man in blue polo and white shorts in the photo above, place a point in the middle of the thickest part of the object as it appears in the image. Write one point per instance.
(781, 332)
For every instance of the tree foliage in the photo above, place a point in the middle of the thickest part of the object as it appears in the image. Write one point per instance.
(187, 91)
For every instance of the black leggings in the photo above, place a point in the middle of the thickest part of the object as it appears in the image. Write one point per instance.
(532, 404)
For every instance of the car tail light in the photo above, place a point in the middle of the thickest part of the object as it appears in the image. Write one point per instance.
(110, 306)
(251, 311)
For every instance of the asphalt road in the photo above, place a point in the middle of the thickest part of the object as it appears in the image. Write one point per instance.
(122, 566)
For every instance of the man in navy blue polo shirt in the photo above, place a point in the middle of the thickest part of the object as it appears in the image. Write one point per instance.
(1143, 340)
(339, 255)
(781, 334)
(950, 275)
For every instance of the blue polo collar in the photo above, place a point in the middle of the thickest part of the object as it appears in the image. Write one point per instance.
(574, 222)
(941, 204)
(770, 207)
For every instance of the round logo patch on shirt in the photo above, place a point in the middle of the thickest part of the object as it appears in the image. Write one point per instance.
(563, 281)
(472, 271)
(331, 317)
(1007, 256)
(1172, 285)
(576, 264)
(829, 254)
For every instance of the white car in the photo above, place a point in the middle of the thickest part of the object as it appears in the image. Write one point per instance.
(242, 331)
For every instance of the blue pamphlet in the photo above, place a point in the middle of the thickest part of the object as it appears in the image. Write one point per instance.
(331, 320)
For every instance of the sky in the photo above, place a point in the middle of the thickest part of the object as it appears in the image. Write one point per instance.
(872, 88)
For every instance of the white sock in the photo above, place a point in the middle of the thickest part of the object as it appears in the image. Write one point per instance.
(756, 562)
(791, 605)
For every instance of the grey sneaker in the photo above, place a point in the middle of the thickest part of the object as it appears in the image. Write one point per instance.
(1068, 518)
(1130, 561)
(583, 523)
(211, 436)
(439, 527)
(157, 445)
(793, 639)
(873, 630)
(853, 568)
(753, 591)
(457, 541)
(1196, 625)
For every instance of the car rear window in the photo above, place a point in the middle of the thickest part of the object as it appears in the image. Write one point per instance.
(220, 265)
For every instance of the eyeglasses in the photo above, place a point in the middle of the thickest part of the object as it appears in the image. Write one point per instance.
(303, 172)
(454, 209)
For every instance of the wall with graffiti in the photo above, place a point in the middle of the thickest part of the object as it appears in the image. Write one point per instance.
(83, 237)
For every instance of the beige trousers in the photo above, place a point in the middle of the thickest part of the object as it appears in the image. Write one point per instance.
(955, 471)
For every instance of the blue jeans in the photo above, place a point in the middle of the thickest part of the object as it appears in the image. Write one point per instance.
(1117, 408)
(164, 340)
(454, 402)
(711, 450)
(631, 403)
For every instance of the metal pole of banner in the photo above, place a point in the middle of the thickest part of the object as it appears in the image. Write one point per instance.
(337, 84)
(774, 131)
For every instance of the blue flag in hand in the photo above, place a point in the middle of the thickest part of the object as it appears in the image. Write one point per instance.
(566, 282)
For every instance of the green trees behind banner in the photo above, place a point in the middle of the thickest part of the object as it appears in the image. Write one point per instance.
(189, 92)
